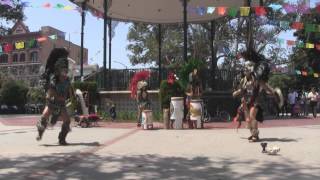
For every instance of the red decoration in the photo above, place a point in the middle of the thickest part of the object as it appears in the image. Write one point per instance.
(318, 8)
(139, 76)
(7, 48)
(291, 42)
(222, 11)
(297, 25)
(46, 5)
(171, 78)
(304, 73)
(318, 47)
(260, 11)
(41, 39)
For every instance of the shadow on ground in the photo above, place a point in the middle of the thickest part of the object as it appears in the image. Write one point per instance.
(89, 166)
(73, 144)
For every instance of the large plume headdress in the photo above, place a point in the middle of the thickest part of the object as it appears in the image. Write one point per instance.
(253, 56)
(59, 55)
(138, 81)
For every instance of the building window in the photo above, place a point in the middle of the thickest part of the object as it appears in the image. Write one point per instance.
(22, 57)
(4, 58)
(15, 58)
(34, 56)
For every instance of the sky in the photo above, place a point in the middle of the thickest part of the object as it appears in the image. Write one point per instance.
(70, 23)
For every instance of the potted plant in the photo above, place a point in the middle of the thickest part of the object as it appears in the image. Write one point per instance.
(169, 88)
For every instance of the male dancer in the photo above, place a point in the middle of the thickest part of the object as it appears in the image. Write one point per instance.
(251, 84)
(58, 90)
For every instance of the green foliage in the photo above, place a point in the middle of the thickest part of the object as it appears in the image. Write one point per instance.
(157, 116)
(305, 57)
(187, 68)
(36, 95)
(127, 116)
(8, 14)
(143, 43)
(14, 93)
(169, 90)
(283, 81)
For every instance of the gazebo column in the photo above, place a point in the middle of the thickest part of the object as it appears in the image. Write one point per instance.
(159, 50)
(83, 19)
(110, 41)
(185, 31)
(105, 5)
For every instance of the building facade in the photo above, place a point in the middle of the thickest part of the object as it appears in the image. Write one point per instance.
(24, 53)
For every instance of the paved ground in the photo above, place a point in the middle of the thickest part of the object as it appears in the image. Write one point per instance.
(123, 152)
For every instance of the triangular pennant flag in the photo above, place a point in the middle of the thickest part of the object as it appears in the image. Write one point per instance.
(32, 43)
(298, 72)
(7, 48)
(297, 25)
(210, 10)
(244, 11)
(289, 8)
(260, 11)
(310, 28)
(275, 7)
(59, 6)
(201, 11)
(316, 75)
(303, 8)
(46, 5)
(19, 45)
(53, 37)
(68, 8)
(285, 25)
(222, 11)
(280, 41)
(309, 46)
(41, 39)
(304, 73)
(291, 43)
(318, 47)
(232, 12)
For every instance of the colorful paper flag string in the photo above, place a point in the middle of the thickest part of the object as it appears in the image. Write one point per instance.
(244, 11)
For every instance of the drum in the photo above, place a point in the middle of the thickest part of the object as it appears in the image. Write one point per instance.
(147, 119)
(176, 111)
(196, 111)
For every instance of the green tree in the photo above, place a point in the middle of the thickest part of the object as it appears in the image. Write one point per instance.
(230, 38)
(283, 81)
(14, 93)
(35, 95)
(307, 59)
(10, 14)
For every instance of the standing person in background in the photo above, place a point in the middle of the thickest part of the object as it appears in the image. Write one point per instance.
(292, 97)
(313, 97)
(305, 102)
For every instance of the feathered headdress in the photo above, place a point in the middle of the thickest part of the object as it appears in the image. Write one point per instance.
(139, 76)
(55, 55)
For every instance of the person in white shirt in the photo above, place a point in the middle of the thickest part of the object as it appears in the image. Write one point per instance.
(313, 97)
(292, 97)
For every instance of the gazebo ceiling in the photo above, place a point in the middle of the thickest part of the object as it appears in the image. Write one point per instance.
(161, 11)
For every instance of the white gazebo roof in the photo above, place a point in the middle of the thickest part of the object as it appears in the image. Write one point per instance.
(162, 11)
